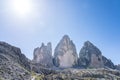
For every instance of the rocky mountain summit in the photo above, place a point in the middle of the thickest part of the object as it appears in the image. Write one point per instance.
(90, 56)
(43, 55)
(63, 65)
(65, 54)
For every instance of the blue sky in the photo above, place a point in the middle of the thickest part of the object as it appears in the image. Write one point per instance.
(95, 20)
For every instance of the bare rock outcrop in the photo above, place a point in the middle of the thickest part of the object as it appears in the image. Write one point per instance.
(108, 63)
(117, 67)
(13, 64)
(43, 55)
(65, 54)
(90, 56)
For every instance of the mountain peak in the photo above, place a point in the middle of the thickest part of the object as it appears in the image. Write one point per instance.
(88, 44)
(65, 37)
(90, 56)
(65, 53)
(42, 45)
(43, 55)
(65, 56)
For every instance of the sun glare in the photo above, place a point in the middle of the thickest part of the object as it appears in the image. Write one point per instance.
(21, 7)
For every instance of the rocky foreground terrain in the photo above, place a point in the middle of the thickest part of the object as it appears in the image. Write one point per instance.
(64, 64)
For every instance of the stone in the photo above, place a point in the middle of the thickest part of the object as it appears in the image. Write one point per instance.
(43, 55)
(108, 63)
(13, 64)
(117, 67)
(90, 56)
(65, 54)
(84, 74)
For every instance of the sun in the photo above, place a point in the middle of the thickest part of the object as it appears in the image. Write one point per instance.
(21, 7)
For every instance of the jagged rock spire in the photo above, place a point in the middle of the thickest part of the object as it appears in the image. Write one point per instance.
(90, 56)
(65, 54)
(43, 55)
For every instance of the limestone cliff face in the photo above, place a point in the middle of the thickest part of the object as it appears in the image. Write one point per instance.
(43, 55)
(90, 56)
(65, 54)
(117, 67)
(108, 63)
(13, 64)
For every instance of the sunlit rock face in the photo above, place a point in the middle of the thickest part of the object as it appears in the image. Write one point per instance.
(65, 54)
(43, 55)
(90, 56)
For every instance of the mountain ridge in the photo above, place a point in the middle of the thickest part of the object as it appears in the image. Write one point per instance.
(16, 66)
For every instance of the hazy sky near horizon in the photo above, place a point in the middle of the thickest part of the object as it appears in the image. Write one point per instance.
(45, 21)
